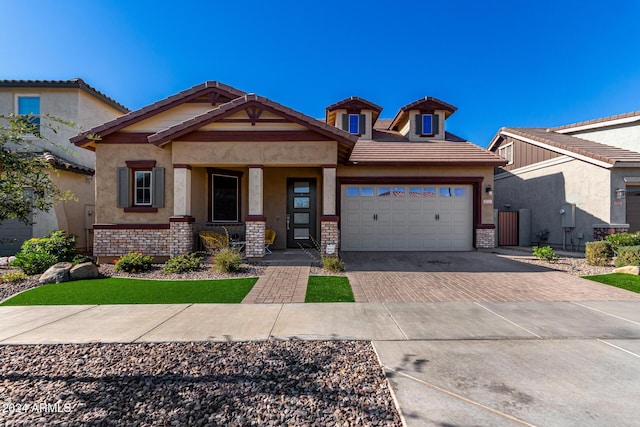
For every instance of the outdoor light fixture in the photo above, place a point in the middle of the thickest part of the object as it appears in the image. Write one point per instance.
(489, 190)
(621, 193)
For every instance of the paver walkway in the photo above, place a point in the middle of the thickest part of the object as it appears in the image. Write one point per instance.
(280, 284)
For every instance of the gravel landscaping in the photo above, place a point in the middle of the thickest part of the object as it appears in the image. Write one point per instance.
(316, 383)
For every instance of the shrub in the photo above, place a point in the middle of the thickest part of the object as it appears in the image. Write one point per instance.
(12, 277)
(598, 253)
(624, 239)
(227, 260)
(133, 262)
(628, 255)
(81, 259)
(545, 253)
(38, 254)
(333, 264)
(182, 263)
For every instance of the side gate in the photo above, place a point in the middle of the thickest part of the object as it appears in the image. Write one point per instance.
(508, 228)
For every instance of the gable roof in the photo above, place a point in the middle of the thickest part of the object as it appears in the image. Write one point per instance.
(76, 83)
(426, 103)
(214, 90)
(594, 152)
(598, 123)
(352, 103)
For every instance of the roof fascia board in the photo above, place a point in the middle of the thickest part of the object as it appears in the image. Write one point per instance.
(559, 150)
(607, 123)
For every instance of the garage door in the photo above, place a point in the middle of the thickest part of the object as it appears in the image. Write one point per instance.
(406, 218)
(12, 234)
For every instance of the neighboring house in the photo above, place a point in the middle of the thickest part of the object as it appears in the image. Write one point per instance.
(589, 170)
(213, 155)
(70, 100)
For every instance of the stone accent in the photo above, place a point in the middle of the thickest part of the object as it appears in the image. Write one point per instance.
(118, 242)
(254, 235)
(601, 231)
(57, 273)
(182, 238)
(329, 236)
(86, 270)
(485, 238)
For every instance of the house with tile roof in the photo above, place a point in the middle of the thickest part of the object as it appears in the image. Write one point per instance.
(580, 182)
(73, 101)
(214, 158)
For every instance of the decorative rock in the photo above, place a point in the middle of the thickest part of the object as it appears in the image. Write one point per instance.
(628, 269)
(86, 270)
(57, 273)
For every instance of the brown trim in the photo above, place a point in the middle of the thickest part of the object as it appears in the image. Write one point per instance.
(329, 166)
(126, 138)
(485, 226)
(330, 218)
(183, 218)
(141, 209)
(253, 136)
(255, 218)
(181, 166)
(256, 121)
(255, 166)
(131, 226)
(218, 171)
(453, 162)
(140, 164)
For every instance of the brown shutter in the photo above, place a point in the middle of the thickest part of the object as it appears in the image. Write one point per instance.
(435, 126)
(123, 187)
(345, 122)
(157, 177)
(418, 124)
(362, 126)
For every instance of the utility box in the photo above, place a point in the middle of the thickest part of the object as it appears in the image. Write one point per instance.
(568, 215)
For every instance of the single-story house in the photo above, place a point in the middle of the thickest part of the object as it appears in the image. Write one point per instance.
(580, 182)
(73, 101)
(214, 156)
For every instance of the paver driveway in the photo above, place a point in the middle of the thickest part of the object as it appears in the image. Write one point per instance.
(465, 276)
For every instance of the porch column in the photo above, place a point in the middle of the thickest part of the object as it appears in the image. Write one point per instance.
(329, 239)
(255, 221)
(181, 190)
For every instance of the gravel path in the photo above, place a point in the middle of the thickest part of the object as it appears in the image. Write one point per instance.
(315, 383)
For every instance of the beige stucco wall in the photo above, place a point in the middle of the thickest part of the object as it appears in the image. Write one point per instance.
(112, 156)
(70, 214)
(411, 128)
(368, 134)
(423, 171)
(257, 153)
(170, 117)
(623, 135)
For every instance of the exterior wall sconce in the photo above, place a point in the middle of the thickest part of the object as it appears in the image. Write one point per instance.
(621, 193)
(489, 190)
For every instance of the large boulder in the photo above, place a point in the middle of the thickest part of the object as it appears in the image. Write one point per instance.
(57, 273)
(628, 269)
(86, 270)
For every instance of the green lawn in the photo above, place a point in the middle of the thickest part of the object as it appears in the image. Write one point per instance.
(117, 290)
(629, 282)
(328, 289)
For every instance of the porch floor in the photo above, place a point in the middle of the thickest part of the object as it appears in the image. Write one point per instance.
(291, 257)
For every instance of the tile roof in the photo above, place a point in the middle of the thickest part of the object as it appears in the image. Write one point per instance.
(64, 164)
(354, 101)
(157, 107)
(613, 156)
(602, 120)
(438, 153)
(426, 103)
(76, 83)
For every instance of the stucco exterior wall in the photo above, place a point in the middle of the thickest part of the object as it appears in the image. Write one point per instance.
(436, 171)
(112, 156)
(623, 136)
(257, 153)
(618, 175)
(70, 214)
(545, 189)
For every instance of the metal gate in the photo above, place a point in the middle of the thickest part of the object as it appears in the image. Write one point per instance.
(508, 228)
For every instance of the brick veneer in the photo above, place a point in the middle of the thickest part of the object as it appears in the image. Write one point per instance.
(329, 236)
(181, 237)
(254, 236)
(600, 232)
(115, 242)
(485, 238)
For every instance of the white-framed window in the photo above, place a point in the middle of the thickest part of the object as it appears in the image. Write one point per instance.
(142, 188)
(29, 105)
(507, 152)
(427, 124)
(354, 124)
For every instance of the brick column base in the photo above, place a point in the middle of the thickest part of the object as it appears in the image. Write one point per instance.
(329, 237)
(254, 235)
(181, 235)
(601, 231)
(485, 238)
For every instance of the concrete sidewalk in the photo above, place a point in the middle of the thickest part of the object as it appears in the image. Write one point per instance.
(456, 363)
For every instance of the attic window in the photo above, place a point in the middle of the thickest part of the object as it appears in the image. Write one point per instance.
(427, 124)
(354, 123)
(507, 153)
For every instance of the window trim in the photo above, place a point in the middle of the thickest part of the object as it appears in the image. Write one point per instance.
(38, 116)
(149, 173)
(431, 118)
(134, 166)
(230, 173)
(357, 123)
(503, 148)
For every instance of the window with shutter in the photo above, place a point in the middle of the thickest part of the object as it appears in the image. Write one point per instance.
(140, 186)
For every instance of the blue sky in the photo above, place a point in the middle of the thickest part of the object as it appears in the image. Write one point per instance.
(502, 63)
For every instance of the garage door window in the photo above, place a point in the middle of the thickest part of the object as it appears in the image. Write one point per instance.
(366, 191)
(384, 192)
(352, 192)
(398, 192)
(459, 192)
(429, 192)
(445, 192)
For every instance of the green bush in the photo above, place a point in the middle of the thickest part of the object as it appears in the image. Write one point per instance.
(628, 255)
(545, 253)
(12, 277)
(133, 262)
(81, 259)
(624, 239)
(182, 263)
(598, 253)
(333, 264)
(227, 260)
(38, 254)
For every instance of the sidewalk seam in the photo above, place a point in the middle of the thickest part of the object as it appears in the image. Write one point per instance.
(604, 312)
(406, 338)
(274, 322)
(49, 323)
(161, 323)
(504, 318)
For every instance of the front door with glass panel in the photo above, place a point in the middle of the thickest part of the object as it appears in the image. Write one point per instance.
(301, 212)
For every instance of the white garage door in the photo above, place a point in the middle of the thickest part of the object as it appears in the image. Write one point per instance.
(406, 218)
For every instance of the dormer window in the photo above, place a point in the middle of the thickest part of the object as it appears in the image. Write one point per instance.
(355, 124)
(427, 124)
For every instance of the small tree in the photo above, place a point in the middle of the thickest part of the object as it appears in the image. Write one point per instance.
(25, 174)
